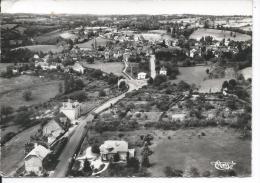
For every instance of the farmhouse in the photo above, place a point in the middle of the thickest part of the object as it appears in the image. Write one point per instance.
(141, 75)
(71, 109)
(77, 67)
(110, 148)
(33, 160)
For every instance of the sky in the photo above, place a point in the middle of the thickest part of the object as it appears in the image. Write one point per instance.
(102, 7)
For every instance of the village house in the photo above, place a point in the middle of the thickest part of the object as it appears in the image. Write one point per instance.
(33, 160)
(55, 127)
(44, 65)
(77, 67)
(71, 109)
(110, 148)
(195, 51)
(126, 56)
(141, 75)
(36, 56)
(163, 71)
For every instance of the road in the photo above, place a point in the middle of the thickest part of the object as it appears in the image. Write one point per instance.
(152, 66)
(80, 130)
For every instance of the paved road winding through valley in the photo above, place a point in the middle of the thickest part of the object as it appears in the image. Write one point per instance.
(80, 131)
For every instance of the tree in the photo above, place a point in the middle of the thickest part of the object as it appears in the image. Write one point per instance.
(232, 83)
(90, 60)
(225, 84)
(78, 84)
(133, 163)
(102, 93)
(28, 147)
(159, 79)
(123, 86)
(194, 172)
(146, 152)
(150, 81)
(169, 172)
(231, 103)
(60, 88)
(183, 86)
(95, 149)
(96, 73)
(86, 167)
(23, 118)
(5, 110)
(27, 95)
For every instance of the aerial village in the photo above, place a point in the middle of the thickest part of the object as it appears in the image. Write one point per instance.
(125, 96)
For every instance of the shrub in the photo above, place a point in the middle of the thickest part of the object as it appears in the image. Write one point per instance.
(79, 96)
(23, 118)
(87, 167)
(7, 137)
(159, 79)
(96, 73)
(102, 93)
(183, 86)
(133, 163)
(169, 172)
(27, 95)
(150, 81)
(194, 172)
(95, 149)
(206, 174)
(5, 110)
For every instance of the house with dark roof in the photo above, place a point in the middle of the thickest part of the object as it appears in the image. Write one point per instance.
(55, 127)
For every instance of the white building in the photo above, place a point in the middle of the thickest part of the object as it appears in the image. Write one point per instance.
(71, 109)
(110, 148)
(77, 67)
(33, 160)
(141, 75)
(192, 52)
(163, 71)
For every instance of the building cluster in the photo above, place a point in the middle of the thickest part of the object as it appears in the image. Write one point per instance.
(51, 132)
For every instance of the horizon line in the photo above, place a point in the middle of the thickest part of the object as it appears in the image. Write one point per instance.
(119, 14)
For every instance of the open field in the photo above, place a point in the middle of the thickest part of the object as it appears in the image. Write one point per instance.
(3, 67)
(50, 37)
(246, 72)
(67, 35)
(114, 67)
(12, 154)
(8, 26)
(99, 40)
(196, 75)
(158, 31)
(218, 35)
(155, 36)
(43, 48)
(185, 149)
(12, 90)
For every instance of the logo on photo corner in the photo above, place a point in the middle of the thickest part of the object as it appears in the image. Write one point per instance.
(223, 165)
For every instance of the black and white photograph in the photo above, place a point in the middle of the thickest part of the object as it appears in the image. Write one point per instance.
(126, 89)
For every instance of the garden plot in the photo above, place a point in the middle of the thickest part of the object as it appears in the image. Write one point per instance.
(218, 35)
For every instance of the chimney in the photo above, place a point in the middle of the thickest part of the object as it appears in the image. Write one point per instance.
(35, 144)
